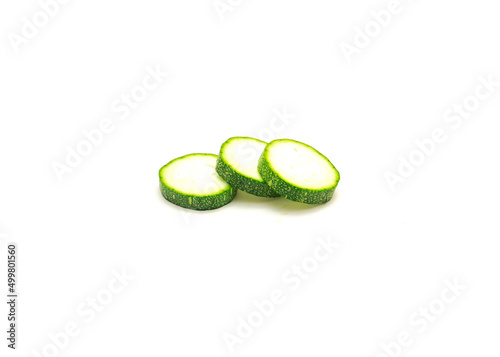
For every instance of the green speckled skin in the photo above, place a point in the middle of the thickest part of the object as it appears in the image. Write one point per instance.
(201, 203)
(289, 191)
(241, 182)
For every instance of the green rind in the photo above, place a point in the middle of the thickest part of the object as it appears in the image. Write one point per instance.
(200, 203)
(240, 181)
(290, 191)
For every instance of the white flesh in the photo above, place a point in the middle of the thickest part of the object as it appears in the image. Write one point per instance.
(243, 156)
(300, 165)
(194, 175)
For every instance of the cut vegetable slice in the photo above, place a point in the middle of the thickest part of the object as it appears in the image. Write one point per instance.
(298, 172)
(191, 182)
(237, 165)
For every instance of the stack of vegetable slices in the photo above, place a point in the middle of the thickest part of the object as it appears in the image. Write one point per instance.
(283, 167)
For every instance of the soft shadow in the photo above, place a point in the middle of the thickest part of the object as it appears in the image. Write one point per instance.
(277, 203)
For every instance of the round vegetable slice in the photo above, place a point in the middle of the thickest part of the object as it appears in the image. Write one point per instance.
(190, 181)
(298, 171)
(237, 165)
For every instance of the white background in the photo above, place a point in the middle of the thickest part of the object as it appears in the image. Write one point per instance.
(195, 273)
